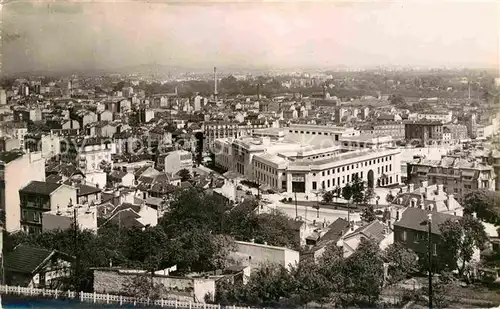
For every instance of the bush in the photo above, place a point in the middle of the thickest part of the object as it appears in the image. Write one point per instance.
(290, 200)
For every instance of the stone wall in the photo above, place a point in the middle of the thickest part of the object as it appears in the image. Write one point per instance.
(180, 288)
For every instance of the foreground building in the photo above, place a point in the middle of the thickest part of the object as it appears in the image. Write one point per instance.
(16, 171)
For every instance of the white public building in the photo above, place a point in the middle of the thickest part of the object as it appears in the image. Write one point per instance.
(309, 158)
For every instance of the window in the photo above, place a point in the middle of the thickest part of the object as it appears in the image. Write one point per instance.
(403, 236)
(24, 215)
(314, 185)
(36, 217)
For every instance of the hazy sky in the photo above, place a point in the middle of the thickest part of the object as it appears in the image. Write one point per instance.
(53, 35)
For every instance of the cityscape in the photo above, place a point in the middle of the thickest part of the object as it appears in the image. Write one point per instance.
(250, 155)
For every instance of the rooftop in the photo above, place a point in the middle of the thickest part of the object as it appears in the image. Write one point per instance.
(40, 188)
(416, 219)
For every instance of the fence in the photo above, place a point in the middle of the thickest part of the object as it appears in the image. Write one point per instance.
(107, 298)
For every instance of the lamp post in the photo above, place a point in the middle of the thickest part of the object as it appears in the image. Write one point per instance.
(429, 224)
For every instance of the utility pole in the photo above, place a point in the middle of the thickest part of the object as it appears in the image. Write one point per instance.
(429, 223)
(76, 248)
(317, 204)
(296, 207)
(151, 268)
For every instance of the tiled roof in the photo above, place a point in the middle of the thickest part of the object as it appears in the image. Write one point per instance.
(416, 219)
(26, 259)
(338, 228)
(54, 178)
(127, 218)
(118, 174)
(86, 190)
(40, 187)
(374, 230)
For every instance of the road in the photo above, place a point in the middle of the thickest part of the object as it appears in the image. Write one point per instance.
(310, 214)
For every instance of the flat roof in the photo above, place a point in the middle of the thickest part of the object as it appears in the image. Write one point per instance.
(344, 157)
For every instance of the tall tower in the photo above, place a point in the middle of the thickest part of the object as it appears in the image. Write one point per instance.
(215, 83)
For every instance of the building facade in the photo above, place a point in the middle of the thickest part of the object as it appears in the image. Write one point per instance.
(424, 132)
(38, 197)
(458, 176)
(325, 159)
(16, 171)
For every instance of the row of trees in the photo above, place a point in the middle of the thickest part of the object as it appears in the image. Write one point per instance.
(356, 280)
(197, 234)
(357, 192)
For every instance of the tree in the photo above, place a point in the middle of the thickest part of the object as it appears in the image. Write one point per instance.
(347, 192)
(386, 216)
(368, 214)
(460, 239)
(402, 262)
(328, 197)
(364, 273)
(268, 284)
(105, 166)
(142, 288)
(184, 174)
(485, 203)
(357, 190)
(310, 284)
(369, 194)
(389, 198)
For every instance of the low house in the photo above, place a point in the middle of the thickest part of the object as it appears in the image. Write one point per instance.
(88, 195)
(134, 216)
(114, 281)
(85, 217)
(320, 240)
(38, 268)
(376, 231)
(253, 255)
(121, 178)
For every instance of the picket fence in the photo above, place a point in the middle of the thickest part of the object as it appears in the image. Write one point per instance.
(97, 298)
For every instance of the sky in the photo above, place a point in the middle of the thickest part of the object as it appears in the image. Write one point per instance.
(108, 35)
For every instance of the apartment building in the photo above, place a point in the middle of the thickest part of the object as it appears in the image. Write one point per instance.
(458, 176)
(424, 132)
(178, 160)
(226, 129)
(396, 129)
(443, 117)
(38, 197)
(16, 170)
(87, 153)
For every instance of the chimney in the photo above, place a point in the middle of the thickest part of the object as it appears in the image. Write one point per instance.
(411, 187)
(450, 198)
(116, 198)
(440, 189)
(425, 184)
